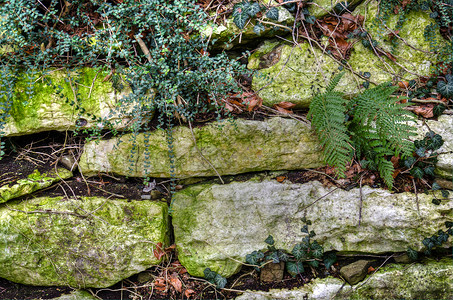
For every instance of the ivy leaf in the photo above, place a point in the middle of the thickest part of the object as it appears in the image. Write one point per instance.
(240, 20)
(312, 233)
(294, 268)
(269, 240)
(239, 8)
(435, 201)
(299, 251)
(313, 263)
(429, 170)
(252, 9)
(435, 186)
(220, 281)
(448, 224)
(330, 259)
(310, 19)
(208, 274)
(304, 229)
(409, 162)
(272, 14)
(438, 109)
(436, 142)
(445, 193)
(317, 253)
(283, 256)
(420, 151)
(413, 255)
(254, 257)
(258, 28)
(445, 88)
(417, 172)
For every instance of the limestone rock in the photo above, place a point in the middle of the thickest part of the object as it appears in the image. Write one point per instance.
(228, 35)
(77, 295)
(87, 242)
(216, 226)
(320, 8)
(232, 148)
(32, 183)
(45, 110)
(295, 74)
(299, 72)
(427, 280)
(355, 272)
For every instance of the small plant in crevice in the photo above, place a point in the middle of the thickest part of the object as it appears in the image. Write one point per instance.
(422, 163)
(306, 252)
(245, 11)
(372, 125)
(215, 278)
(430, 243)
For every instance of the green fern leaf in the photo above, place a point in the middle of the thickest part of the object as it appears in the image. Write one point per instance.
(327, 113)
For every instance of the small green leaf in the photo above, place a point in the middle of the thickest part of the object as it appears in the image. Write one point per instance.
(420, 151)
(269, 240)
(304, 229)
(312, 233)
(366, 84)
(436, 201)
(258, 28)
(436, 142)
(252, 9)
(220, 281)
(294, 268)
(435, 186)
(313, 263)
(429, 170)
(445, 88)
(448, 224)
(240, 20)
(413, 255)
(439, 109)
(299, 251)
(330, 259)
(409, 162)
(272, 13)
(445, 193)
(310, 19)
(417, 172)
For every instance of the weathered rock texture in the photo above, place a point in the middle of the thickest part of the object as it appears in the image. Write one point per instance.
(232, 148)
(228, 35)
(87, 242)
(46, 110)
(32, 183)
(296, 73)
(215, 226)
(427, 280)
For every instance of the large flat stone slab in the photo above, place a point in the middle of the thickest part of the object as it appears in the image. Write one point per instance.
(47, 110)
(232, 148)
(87, 242)
(428, 280)
(216, 226)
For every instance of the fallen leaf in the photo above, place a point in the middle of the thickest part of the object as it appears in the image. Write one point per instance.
(371, 269)
(280, 178)
(158, 251)
(189, 293)
(282, 110)
(160, 284)
(175, 282)
(425, 110)
(403, 84)
(286, 105)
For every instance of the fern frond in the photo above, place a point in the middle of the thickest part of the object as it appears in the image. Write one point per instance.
(334, 82)
(386, 169)
(390, 119)
(327, 114)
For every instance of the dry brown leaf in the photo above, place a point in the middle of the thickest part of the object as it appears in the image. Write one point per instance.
(188, 293)
(158, 251)
(282, 110)
(280, 178)
(425, 110)
(403, 84)
(371, 269)
(160, 284)
(175, 282)
(286, 105)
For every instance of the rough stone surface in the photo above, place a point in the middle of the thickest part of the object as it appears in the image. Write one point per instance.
(232, 148)
(355, 272)
(228, 35)
(217, 225)
(77, 295)
(427, 280)
(295, 75)
(87, 242)
(272, 272)
(444, 127)
(320, 8)
(303, 71)
(34, 182)
(46, 110)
